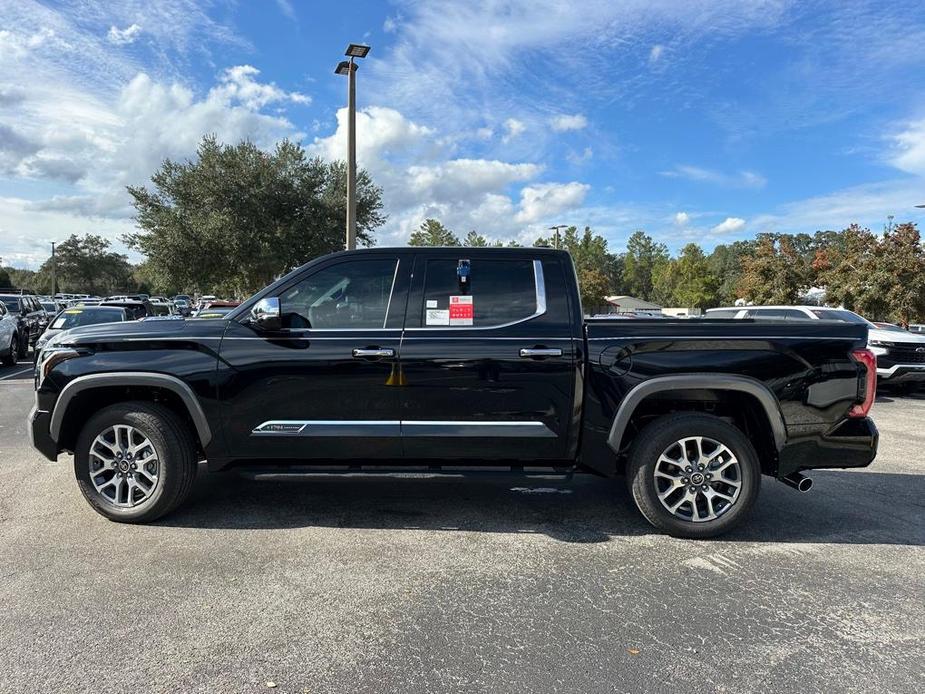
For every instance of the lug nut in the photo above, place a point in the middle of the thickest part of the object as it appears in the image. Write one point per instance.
(688, 469)
(704, 487)
(693, 489)
(684, 480)
(134, 466)
(709, 476)
(700, 467)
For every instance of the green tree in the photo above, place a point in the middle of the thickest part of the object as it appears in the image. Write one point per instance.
(475, 240)
(86, 264)
(237, 217)
(686, 281)
(433, 233)
(726, 266)
(903, 272)
(643, 257)
(774, 273)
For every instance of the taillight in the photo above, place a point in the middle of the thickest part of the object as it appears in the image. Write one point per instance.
(869, 360)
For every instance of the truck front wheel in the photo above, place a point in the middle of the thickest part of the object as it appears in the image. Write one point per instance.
(693, 475)
(135, 461)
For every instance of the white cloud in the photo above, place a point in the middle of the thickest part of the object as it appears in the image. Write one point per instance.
(585, 156)
(539, 201)
(682, 218)
(513, 128)
(238, 83)
(390, 25)
(565, 122)
(908, 152)
(656, 53)
(123, 37)
(729, 225)
(484, 133)
(742, 179)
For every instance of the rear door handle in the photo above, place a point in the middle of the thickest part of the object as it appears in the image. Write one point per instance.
(540, 352)
(373, 353)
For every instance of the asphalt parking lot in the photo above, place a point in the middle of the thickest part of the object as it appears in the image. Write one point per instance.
(481, 584)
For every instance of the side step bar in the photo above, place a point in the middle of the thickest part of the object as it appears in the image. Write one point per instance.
(258, 472)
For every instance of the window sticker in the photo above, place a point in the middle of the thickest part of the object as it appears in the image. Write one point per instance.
(462, 310)
(437, 316)
(432, 303)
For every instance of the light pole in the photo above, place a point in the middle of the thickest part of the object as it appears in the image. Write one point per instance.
(54, 271)
(349, 68)
(556, 228)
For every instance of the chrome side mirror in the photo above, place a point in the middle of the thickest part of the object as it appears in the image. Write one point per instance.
(266, 315)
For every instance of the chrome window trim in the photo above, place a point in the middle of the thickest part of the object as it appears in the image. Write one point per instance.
(539, 283)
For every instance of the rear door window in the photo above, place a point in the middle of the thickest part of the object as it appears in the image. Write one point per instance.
(496, 292)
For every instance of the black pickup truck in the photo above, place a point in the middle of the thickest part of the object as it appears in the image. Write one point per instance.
(450, 359)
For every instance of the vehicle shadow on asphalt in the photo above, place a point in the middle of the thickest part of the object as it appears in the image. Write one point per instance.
(851, 507)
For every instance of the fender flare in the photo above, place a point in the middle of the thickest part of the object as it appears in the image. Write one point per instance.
(130, 378)
(660, 384)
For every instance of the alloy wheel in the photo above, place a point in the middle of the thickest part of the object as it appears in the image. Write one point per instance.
(124, 466)
(697, 479)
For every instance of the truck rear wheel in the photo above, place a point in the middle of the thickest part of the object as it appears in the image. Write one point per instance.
(135, 462)
(693, 475)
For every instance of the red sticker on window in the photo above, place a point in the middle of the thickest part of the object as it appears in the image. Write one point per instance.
(461, 310)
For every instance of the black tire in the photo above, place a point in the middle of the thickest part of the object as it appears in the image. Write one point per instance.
(656, 438)
(176, 455)
(23, 347)
(12, 357)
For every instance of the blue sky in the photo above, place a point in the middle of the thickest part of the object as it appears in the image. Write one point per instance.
(707, 120)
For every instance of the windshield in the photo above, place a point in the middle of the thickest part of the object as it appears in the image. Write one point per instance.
(75, 317)
(12, 303)
(50, 307)
(842, 315)
(892, 328)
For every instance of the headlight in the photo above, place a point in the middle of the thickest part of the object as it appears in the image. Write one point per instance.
(49, 359)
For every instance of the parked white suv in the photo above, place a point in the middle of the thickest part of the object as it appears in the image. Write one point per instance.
(900, 353)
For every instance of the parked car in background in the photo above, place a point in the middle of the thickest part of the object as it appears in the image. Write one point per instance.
(30, 316)
(900, 354)
(163, 308)
(183, 307)
(916, 328)
(51, 306)
(216, 309)
(79, 317)
(136, 308)
(9, 337)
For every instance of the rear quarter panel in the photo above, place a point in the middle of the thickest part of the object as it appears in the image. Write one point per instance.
(806, 366)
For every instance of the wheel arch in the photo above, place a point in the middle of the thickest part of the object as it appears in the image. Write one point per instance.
(758, 399)
(99, 390)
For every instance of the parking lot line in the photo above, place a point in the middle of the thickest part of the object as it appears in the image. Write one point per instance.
(18, 373)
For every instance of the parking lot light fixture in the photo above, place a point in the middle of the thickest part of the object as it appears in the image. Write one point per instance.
(349, 68)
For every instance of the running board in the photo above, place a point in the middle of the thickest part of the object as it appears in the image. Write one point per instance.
(258, 472)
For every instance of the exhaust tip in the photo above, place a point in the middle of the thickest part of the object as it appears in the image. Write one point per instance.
(799, 482)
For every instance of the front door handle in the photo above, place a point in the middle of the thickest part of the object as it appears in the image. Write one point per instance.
(373, 353)
(540, 352)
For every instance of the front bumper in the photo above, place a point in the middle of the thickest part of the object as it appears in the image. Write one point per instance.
(853, 443)
(902, 373)
(38, 433)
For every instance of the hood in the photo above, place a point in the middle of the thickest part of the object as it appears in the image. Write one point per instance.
(880, 335)
(139, 330)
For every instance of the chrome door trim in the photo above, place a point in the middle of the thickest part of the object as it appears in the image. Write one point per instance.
(469, 429)
(393, 428)
(328, 427)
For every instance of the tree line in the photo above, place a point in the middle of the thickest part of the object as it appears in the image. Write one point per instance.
(235, 217)
(881, 276)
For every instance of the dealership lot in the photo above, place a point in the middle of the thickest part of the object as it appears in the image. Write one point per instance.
(479, 584)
